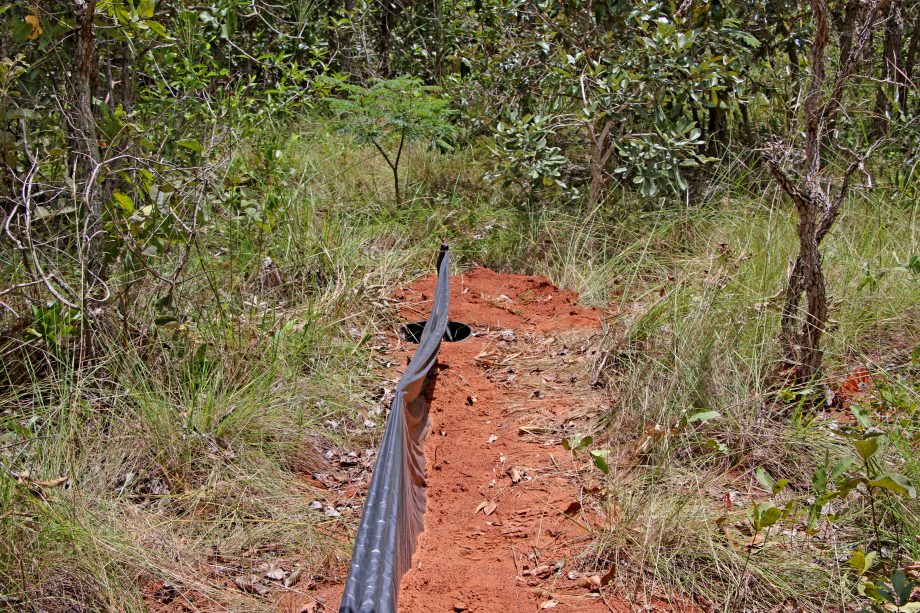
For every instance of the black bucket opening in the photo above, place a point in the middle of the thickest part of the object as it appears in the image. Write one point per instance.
(456, 331)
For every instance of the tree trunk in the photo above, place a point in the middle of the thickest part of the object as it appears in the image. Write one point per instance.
(844, 24)
(800, 333)
(812, 279)
(437, 9)
(83, 136)
(126, 77)
(390, 11)
(890, 74)
(716, 132)
(346, 38)
(600, 156)
(910, 61)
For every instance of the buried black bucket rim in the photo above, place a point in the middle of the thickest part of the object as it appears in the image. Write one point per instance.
(456, 331)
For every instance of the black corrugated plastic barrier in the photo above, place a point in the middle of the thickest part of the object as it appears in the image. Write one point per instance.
(395, 504)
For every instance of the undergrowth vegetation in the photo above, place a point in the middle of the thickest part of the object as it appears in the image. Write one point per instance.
(190, 447)
(207, 209)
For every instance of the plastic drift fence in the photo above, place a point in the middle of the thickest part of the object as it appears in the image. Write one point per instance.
(395, 502)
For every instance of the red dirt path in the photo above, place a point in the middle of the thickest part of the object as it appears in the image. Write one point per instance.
(467, 560)
(496, 538)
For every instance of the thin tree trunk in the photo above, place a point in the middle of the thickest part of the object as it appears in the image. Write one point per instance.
(716, 135)
(83, 134)
(346, 38)
(890, 72)
(910, 61)
(390, 11)
(86, 157)
(844, 24)
(126, 77)
(800, 333)
(439, 29)
(402, 140)
(602, 150)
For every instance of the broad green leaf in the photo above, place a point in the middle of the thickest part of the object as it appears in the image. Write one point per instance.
(861, 415)
(703, 416)
(840, 467)
(190, 144)
(770, 516)
(866, 448)
(901, 586)
(819, 480)
(749, 39)
(20, 113)
(124, 201)
(896, 483)
(145, 8)
(764, 514)
(765, 479)
(862, 561)
(600, 459)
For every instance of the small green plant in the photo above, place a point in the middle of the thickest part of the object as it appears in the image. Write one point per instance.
(54, 323)
(598, 456)
(391, 113)
(762, 517)
(885, 594)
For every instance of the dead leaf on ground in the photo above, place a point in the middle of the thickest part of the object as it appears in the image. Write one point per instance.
(51, 482)
(596, 582)
(515, 475)
(535, 430)
(592, 582)
(276, 574)
(609, 575)
(755, 541)
(548, 604)
(293, 578)
(312, 607)
(492, 439)
(486, 506)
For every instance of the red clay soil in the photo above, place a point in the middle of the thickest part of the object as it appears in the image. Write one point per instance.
(508, 511)
(496, 537)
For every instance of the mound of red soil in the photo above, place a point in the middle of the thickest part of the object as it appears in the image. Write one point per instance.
(491, 299)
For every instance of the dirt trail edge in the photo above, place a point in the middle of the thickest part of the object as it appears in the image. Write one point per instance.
(505, 523)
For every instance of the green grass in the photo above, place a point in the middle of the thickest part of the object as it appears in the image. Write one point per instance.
(187, 443)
